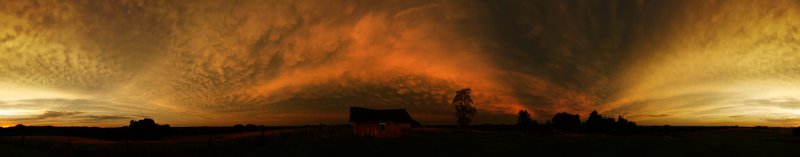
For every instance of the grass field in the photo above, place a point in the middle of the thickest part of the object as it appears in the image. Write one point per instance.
(338, 141)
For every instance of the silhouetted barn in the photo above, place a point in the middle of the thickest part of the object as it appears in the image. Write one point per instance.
(379, 123)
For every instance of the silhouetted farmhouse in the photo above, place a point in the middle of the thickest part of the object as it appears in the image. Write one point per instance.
(379, 123)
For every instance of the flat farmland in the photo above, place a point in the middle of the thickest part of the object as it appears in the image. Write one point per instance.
(338, 141)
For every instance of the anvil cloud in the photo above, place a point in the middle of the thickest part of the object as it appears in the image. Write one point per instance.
(185, 63)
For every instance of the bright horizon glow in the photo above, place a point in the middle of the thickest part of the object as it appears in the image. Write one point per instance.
(16, 112)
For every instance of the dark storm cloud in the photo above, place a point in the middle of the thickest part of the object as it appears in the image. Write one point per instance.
(576, 48)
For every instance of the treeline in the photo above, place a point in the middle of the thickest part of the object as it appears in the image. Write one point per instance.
(566, 122)
(91, 132)
(147, 129)
(144, 129)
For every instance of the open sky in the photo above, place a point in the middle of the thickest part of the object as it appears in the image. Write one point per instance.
(294, 62)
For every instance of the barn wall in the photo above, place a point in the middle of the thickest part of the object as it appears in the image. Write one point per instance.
(374, 129)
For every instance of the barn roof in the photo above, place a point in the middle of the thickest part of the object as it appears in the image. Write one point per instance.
(358, 114)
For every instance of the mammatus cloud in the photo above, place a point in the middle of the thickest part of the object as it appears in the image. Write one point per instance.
(301, 62)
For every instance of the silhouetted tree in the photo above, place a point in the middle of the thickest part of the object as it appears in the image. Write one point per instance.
(621, 121)
(524, 120)
(144, 123)
(594, 122)
(566, 122)
(147, 129)
(624, 125)
(598, 123)
(463, 105)
(796, 131)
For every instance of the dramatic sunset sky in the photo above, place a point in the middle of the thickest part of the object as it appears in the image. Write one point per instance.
(295, 62)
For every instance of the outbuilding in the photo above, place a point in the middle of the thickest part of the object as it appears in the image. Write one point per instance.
(380, 123)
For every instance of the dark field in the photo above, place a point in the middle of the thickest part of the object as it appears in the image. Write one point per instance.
(338, 141)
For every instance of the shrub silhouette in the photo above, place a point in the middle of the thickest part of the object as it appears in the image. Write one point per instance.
(147, 129)
(566, 122)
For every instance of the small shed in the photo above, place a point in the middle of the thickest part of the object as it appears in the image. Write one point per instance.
(379, 123)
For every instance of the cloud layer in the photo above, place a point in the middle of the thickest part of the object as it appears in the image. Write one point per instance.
(305, 62)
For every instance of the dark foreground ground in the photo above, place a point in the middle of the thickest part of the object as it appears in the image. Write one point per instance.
(338, 141)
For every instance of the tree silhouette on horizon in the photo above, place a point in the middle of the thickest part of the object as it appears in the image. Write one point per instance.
(598, 123)
(462, 103)
(147, 128)
(524, 120)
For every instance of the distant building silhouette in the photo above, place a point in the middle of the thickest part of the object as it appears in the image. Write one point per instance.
(379, 123)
